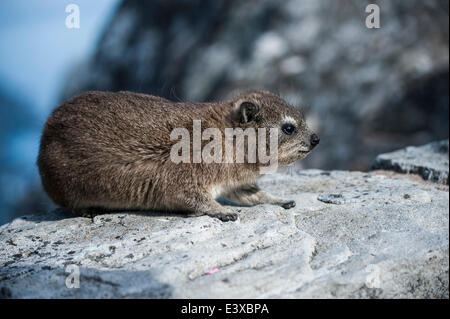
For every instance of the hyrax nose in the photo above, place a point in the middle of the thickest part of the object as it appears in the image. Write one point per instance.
(314, 140)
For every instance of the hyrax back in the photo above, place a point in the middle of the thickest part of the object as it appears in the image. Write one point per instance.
(111, 151)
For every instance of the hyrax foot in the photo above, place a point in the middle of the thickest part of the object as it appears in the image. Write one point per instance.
(288, 204)
(87, 212)
(203, 204)
(225, 217)
(253, 195)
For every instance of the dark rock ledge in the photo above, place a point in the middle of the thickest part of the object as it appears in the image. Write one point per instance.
(429, 161)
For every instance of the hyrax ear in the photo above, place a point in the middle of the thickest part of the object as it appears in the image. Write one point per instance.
(248, 111)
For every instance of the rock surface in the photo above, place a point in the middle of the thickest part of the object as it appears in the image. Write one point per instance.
(429, 161)
(351, 235)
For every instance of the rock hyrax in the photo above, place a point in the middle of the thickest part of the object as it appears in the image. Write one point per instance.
(103, 151)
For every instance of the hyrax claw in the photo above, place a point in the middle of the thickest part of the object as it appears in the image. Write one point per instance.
(288, 204)
(226, 217)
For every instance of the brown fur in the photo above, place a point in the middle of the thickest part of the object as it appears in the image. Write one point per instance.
(110, 151)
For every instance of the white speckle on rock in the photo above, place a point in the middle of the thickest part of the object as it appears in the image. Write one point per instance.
(373, 279)
(422, 196)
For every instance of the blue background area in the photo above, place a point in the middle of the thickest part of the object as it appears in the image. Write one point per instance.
(37, 53)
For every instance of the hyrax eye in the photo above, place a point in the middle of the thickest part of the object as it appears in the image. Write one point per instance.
(288, 129)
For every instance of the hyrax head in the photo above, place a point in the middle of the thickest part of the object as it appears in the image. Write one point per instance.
(262, 109)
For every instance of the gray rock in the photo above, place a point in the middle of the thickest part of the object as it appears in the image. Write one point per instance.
(387, 238)
(429, 161)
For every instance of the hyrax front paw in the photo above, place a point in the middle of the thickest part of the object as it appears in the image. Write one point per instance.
(288, 204)
(225, 217)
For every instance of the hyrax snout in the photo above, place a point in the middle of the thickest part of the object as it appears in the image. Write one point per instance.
(107, 151)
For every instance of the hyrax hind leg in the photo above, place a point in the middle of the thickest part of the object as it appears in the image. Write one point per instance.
(251, 194)
(202, 203)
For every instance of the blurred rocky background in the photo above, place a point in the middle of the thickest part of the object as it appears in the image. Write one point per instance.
(37, 53)
(365, 91)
